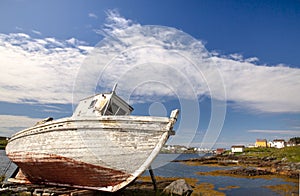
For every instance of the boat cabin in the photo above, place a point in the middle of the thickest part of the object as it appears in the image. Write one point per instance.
(102, 105)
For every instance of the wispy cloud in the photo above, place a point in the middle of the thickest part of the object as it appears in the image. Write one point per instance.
(19, 28)
(160, 54)
(281, 132)
(260, 87)
(36, 32)
(44, 70)
(10, 124)
(92, 15)
(41, 70)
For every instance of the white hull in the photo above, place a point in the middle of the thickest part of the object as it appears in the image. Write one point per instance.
(103, 153)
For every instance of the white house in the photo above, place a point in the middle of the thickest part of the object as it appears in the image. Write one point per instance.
(238, 148)
(277, 143)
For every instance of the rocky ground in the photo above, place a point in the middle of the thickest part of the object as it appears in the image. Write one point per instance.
(250, 166)
(141, 187)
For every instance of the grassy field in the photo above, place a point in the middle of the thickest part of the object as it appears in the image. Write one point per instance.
(292, 153)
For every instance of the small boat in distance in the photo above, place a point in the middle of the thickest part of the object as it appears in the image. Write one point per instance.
(101, 146)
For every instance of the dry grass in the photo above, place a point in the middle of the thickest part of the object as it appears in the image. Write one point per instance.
(284, 189)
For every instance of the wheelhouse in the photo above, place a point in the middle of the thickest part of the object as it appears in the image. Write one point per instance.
(102, 105)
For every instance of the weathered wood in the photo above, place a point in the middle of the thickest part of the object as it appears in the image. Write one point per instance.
(21, 189)
(153, 178)
(95, 152)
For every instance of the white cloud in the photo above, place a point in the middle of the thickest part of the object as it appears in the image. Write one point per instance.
(251, 60)
(148, 61)
(171, 60)
(236, 57)
(19, 28)
(92, 15)
(115, 22)
(132, 54)
(263, 88)
(280, 132)
(75, 42)
(36, 32)
(38, 69)
(10, 124)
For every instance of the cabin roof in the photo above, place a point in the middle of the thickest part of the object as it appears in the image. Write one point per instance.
(279, 140)
(238, 146)
(261, 140)
(94, 96)
(102, 104)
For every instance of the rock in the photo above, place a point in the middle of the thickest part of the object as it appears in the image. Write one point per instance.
(38, 192)
(178, 187)
(284, 159)
(250, 171)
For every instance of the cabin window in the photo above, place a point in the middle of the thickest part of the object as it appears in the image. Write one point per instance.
(109, 110)
(114, 109)
(121, 112)
(93, 103)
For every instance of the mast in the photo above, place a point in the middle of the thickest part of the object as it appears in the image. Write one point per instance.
(112, 93)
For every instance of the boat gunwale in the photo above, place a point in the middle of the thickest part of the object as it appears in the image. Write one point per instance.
(43, 127)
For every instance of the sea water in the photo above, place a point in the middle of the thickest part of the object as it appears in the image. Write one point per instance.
(7, 167)
(247, 186)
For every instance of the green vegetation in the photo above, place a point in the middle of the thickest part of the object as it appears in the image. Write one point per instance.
(294, 140)
(2, 177)
(291, 154)
(3, 143)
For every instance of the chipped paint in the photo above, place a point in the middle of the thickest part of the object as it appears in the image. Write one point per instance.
(61, 170)
(95, 152)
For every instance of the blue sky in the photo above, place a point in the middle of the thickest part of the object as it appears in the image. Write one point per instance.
(254, 46)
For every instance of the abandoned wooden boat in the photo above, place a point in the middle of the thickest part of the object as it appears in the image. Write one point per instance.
(101, 146)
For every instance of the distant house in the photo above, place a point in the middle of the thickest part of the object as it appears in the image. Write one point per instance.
(261, 143)
(251, 146)
(237, 148)
(220, 150)
(289, 143)
(278, 143)
(270, 144)
(183, 148)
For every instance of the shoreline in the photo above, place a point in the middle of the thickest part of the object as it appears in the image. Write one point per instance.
(248, 165)
(209, 189)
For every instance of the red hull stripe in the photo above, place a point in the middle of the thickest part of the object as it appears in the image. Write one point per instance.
(61, 170)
